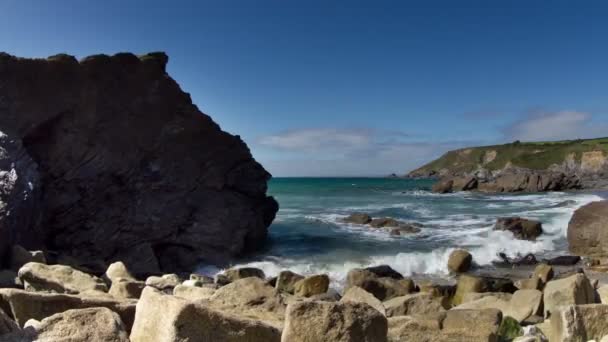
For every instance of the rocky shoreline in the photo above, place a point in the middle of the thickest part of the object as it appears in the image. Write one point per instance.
(561, 299)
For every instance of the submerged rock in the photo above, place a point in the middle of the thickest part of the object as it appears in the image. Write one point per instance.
(521, 228)
(358, 218)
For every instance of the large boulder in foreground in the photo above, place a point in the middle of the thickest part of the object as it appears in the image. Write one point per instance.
(59, 278)
(588, 230)
(339, 322)
(24, 305)
(132, 170)
(580, 323)
(92, 324)
(160, 317)
(573, 290)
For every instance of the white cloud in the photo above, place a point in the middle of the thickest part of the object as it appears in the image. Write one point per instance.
(346, 152)
(557, 126)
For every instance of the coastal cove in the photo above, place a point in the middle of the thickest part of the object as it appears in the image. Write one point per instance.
(309, 236)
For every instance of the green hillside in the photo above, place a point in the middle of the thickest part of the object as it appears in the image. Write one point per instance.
(531, 155)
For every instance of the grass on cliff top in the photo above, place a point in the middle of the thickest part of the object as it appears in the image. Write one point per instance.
(531, 155)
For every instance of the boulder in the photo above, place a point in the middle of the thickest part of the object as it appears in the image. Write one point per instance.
(471, 325)
(192, 283)
(339, 322)
(310, 286)
(522, 305)
(385, 271)
(20, 194)
(126, 288)
(460, 261)
(21, 256)
(251, 297)
(164, 283)
(464, 183)
(286, 281)
(235, 274)
(588, 230)
(24, 305)
(473, 296)
(358, 218)
(118, 270)
(382, 288)
(384, 222)
(563, 260)
(130, 163)
(193, 293)
(509, 329)
(59, 278)
(579, 323)
(573, 290)
(416, 328)
(533, 283)
(413, 304)
(160, 317)
(468, 284)
(521, 228)
(359, 295)
(91, 324)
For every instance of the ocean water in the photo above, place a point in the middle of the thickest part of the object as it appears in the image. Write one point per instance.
(309, 237)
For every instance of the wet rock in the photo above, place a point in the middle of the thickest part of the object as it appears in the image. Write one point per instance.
(59, 278)
(385, 271)
(160, 317)
(564, 260)
(460, 261)
(359, 295)
(384, 222)
(573, 290)
(358, 218)
(286, 281)
(587, 233)
(310, 286)
(323, 321)
(521, 228)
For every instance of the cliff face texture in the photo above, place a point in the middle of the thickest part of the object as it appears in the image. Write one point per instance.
(532, 167)
(129, 168)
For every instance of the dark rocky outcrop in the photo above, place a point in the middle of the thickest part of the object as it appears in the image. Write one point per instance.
(521, 228)
(588, 230)
(130, 169)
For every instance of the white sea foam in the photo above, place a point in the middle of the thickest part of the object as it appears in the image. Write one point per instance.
(461, 230)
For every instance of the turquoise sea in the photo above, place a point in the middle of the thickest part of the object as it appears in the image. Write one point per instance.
(309, 237)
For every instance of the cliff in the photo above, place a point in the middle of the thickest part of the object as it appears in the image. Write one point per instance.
(129, 168)
(583, 162)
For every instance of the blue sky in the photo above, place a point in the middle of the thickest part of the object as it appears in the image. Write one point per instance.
(353, 87)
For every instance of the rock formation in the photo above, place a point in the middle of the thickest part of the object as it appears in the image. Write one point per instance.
(588, 230)
(126, 167)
